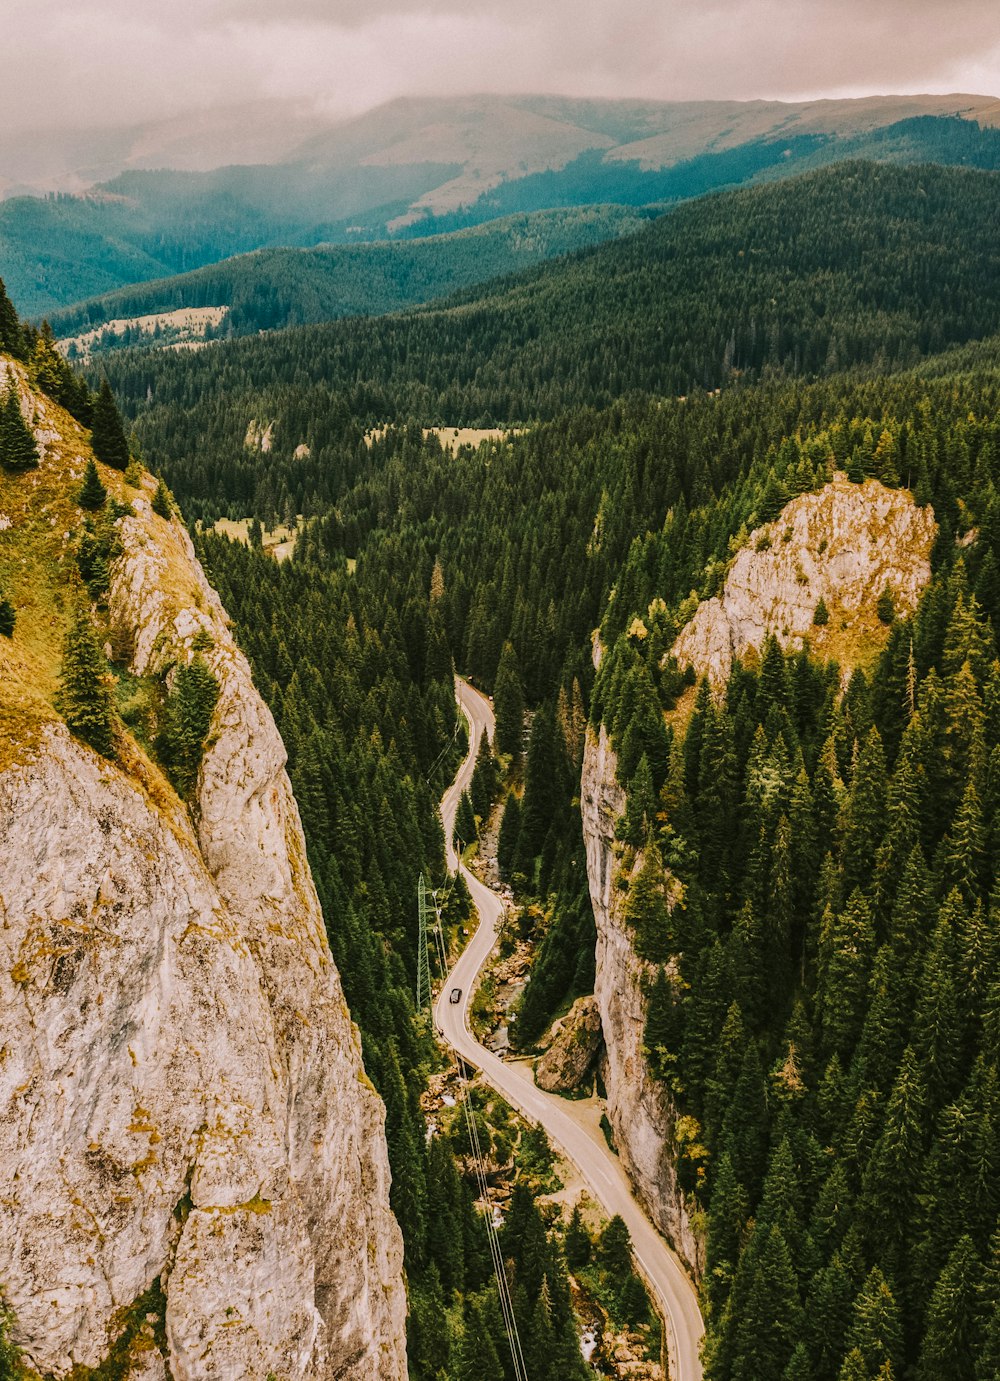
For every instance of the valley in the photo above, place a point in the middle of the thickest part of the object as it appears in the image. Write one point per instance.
(416, 168)
(574, 1128)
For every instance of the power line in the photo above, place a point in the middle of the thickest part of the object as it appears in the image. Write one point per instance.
(479, 1160)
(496, 1252)
(447, 747)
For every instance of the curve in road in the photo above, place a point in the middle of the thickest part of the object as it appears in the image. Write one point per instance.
(572, 1127)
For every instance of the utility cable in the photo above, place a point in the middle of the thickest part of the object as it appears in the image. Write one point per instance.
(496, 1251)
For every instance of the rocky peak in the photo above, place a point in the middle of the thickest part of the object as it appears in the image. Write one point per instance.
(844, 545)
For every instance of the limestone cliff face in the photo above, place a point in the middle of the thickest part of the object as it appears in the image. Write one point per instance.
(844, 545)
(182, 1097)
(640, 1110)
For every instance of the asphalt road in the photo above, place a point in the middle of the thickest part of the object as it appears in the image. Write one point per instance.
(573, 1128)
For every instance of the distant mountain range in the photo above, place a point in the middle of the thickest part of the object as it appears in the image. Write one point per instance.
(416, 167)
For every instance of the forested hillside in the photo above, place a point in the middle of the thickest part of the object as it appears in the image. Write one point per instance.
(855, 265)
(789, 1044)
(274, 288)
(830, 1026)
(830, 1023)
(359, 677)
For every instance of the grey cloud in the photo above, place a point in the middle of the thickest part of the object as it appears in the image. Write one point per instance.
(117, 61)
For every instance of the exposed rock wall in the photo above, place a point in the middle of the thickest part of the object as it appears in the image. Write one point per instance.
(843, 545)
(640, 1111)
(182, 1096)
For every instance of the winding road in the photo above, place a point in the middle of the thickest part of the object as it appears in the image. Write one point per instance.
(574, 1128)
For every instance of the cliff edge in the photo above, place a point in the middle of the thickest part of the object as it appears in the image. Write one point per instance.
(640, 1110)
(193, 1167)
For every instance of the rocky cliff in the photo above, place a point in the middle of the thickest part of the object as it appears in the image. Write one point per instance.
(845, 545)
(193, 1166)
(640, 1111)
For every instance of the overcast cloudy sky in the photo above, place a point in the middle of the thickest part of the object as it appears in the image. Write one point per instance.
(110, 61)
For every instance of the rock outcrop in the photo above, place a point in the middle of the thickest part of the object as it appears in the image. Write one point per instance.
(640, 1110)
(845, 545)
(576, 1039)
(186, 1129)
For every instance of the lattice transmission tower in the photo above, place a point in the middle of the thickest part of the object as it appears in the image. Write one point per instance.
(428, 919)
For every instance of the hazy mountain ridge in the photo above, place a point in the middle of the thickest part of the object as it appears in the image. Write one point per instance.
(414, 167)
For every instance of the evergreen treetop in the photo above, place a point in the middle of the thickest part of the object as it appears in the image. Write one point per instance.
(11, 334)
(85, 698)
(18, 449)
(107, 431)
(92, 493)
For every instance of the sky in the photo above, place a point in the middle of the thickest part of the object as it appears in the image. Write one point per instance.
(94, 63)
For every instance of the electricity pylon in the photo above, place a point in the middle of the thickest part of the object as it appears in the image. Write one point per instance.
(428, 914)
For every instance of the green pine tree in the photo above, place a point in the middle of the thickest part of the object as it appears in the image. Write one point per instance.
(988, 1362)
(510, 833)
(107, 433)
(18, 450)
(428, 1344)
(640, 810)
(92, 493)
(846, 949)
(864, 815)
(485, 780)
(11, 334)
(465, 822)
(770, 1324)
(162, 502)
(478, 1358)
(646, 910)
(614, 1254)
(799, 1368)
(508, 703)
(186, 719)
(8, 616)
(877, 1331)
(541, 784)
(85, 698)
(952, 1329)
(577, 1243)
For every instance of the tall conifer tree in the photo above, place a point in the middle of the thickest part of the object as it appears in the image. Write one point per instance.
(107, 432)
(85, 698)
